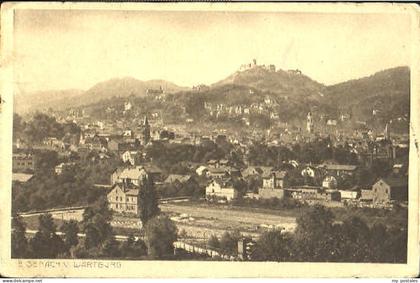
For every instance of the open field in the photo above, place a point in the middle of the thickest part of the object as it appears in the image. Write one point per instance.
(200, 221)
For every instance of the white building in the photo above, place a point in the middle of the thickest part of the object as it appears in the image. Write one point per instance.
(130, 157)
(329, 182)
(222, 189)
(127, 106)
(201, 170)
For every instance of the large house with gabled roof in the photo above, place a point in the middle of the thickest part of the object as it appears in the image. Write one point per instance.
(123, 199)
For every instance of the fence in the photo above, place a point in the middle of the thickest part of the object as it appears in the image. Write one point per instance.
(200, 250)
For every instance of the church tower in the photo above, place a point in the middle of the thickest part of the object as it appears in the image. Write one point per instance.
(146, 131)
(309, 123)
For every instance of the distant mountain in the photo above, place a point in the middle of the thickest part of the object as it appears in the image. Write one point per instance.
(387, 91)
(58, 99)
(123, 87)
(117, 87)
(284, 83)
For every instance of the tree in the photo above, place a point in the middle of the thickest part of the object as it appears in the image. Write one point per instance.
(19, 241)
(355, 245)
(273, 246)
(314, 235)
(96, 225)
(18, 126)
(213, 242)
(42, 126)
(161, 233)
(110, 248)
(45, 243)
(132, 248)
(147, 201)
(70, 229)
(229, 242)
(45, 160)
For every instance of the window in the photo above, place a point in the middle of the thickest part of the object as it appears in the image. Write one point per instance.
(116, 198)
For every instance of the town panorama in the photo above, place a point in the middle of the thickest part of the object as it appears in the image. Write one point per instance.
(265, 165)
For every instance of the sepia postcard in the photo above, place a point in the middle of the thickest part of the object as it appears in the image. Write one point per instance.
(209, 140)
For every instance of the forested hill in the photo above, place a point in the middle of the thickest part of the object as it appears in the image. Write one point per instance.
(386, 91)
(292, 95)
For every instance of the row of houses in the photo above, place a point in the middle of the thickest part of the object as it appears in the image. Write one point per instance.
(275, 185)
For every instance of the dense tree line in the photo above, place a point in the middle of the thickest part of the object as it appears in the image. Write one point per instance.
(314, 152)
(42, 126)
(319, 238)
(168, 155)
(73, 187)
(48, 190)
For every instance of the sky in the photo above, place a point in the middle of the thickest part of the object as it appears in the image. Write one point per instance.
(75, 49)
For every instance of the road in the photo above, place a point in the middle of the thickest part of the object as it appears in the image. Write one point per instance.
(32, 233)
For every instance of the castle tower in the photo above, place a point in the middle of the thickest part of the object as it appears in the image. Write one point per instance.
(146, 131)
(309, 123)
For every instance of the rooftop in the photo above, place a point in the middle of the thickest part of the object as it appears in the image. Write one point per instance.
(21, 177)
(176, 177)
(395, 182)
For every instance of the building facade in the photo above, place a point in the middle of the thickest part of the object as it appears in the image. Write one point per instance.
(386, 190)
(222, 189)
(123, 199)
(22, 162)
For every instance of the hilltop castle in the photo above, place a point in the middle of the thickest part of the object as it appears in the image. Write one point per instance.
(253, 64)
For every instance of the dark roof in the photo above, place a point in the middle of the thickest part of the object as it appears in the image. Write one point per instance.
(396, 182)
(277, 174)
(128, 189)
(150, 168)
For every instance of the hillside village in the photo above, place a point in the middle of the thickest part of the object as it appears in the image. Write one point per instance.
(245, 154)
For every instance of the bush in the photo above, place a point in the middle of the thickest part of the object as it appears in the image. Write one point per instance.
(213, 242)
(229, 243)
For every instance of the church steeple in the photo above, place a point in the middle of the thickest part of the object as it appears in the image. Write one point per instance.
(146, 131)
